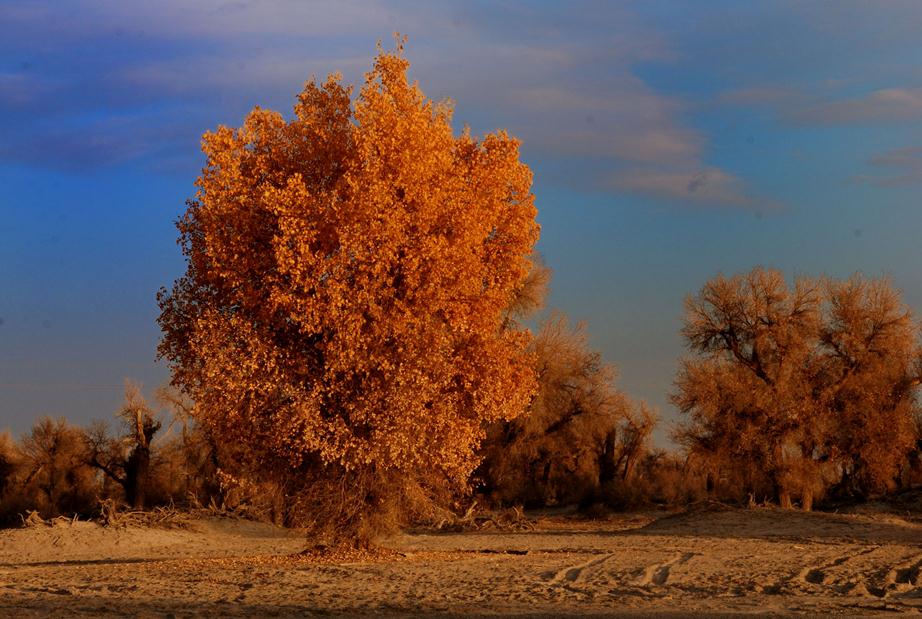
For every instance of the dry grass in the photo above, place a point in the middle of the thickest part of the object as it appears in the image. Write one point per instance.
(475, 519)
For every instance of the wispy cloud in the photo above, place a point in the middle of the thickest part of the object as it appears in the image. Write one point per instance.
(844, 64)
(883, 105)
(760, 95)
(561, 78)
(218, 20)
(628, 122)
(583, 100)
(88, 143)
(900, 166)
(708, 185)
(823, 106)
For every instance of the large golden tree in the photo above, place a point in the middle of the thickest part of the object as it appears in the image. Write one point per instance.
(350, 274)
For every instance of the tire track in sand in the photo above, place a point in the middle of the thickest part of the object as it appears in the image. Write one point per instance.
(572, 573)
(816, 574)
(658, 573)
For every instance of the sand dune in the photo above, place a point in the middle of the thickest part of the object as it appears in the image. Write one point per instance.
(709, 561)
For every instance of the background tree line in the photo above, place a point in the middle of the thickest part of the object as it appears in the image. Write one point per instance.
(61, 469)
(792, 395)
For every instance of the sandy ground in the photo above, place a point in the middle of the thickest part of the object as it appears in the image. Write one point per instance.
(710, 561)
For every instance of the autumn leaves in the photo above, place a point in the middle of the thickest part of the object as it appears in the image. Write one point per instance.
(803, 389)
(349, 275)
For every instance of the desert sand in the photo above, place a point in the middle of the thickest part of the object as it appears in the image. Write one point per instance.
(710, 560)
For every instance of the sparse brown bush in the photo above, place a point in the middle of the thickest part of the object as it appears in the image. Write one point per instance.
(662, 479)
(179, 468)
(9, 461)
(187, 459)
(911, 471)
(867, 375)
(13, 501)
(59, 469)
(341, 498)
(54, 478)
(628, 446)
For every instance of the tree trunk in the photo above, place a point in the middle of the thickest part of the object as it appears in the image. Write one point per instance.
(784, 498)
(607, 466)
(137, 470)
(778, 474)
(547, 495)
(806, 502)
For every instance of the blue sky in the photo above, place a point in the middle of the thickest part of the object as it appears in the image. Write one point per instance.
(669, 140)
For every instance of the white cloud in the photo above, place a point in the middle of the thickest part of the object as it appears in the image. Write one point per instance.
(707, 185)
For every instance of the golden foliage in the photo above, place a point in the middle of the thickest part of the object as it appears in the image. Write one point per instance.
(349, 272)
(801, 385)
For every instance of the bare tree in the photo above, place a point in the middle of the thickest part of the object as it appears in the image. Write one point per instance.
(126, 460)
(192, 453)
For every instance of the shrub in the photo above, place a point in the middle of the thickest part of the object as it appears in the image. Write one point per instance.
(54, 478)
